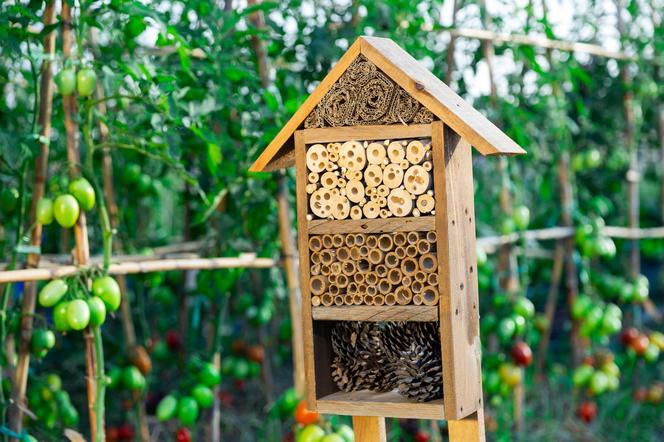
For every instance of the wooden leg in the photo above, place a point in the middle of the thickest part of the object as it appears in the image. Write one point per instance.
(470, 429)
(369, 429)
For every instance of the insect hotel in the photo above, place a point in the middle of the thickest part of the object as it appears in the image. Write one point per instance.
(386, 224)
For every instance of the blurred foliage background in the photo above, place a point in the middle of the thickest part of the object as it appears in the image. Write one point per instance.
(188, 112)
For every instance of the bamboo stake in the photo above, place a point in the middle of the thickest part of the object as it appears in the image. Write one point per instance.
(40, 171)
(550, 309)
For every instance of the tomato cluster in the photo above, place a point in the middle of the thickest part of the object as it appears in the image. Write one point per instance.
(83, 82)
(66, 207)
(642, 345)
(597, 375)
(50, 403)
(598, 319)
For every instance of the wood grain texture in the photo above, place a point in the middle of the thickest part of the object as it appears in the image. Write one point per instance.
(390, 404)
(468, 429)
(420, 313)
(457, 269)
(303, 241)
(365, 133)
(281, 144)
(426, 88)
(369, 429)
(379, 225)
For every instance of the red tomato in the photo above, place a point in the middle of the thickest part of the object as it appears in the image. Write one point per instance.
(641, 394)
(421, 436)
(304, 416)
(126, 432)
(173, 340)
(640, 344)
(183, 435)
(629, 335)
(522, 354)
(587, 411)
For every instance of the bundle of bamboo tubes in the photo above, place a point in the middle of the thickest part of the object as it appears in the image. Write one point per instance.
(391, 178)
(398, 268)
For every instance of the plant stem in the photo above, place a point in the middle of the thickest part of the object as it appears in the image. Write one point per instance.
(101, 383)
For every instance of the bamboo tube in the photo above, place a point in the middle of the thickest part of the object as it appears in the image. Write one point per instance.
(358, 299)
(359, 278)
(379, 300)
(335, 268)
(327, 241)
(355, 253)
(381, 270)
(327, 257)
(400, 239)
(311, 188)
(416, 287)
(416, 180)
(327, 300)
(385, 242)
(432, 237)
(333, 147)
(368, 299)
(411, 251)
(371, 279)
(315, 244)
(339, 300)
(315, 301)
(430, 295)
(417, 299)
(409, 266)
(375, 256)
(420, 276)
(399, 202)
(404, 295)
(391, 260)
(370, 191)
(384, 286)
(363, 265)
(407, 281)
(364, 251)
(313, 178)
(352, 155)
(371, 241)
(428, 263)
(355, 213)
(342, 280)
(331, 166)
(371, 290)
(396, 152)
(340, 208)
(373, 176)
(423, 246)
(376, 153)
(384, 213)
(404, 164)
(371, 210)
(348, 268)
(394, 276)
(338, 240)
(425, 203)
(315, 258)
(432, 279)
(324, 269)
(354, 191)
(334, 290)
(415, 152)
(416, 213)
(315, 269)
(317, 158)
(392, 176)
(400, 252)
(360, 239)
(382, 190)
(413, 237)
(382, 203)
(427, 165)
(349, 240)
(343, 254)
(348, 299)
(332, 278)
(352, 288)
(341, 184)
(318, 284)
(361, 289)
(390, 299)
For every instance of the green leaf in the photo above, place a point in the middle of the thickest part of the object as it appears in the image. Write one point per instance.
(213, 157)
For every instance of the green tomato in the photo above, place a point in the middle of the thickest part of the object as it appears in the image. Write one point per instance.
(209, 375)
(524, 307)
(582, 375)
(310, 433)
(144, 184)
(254, 369)
(44, 211)
(519, 324)
(508, 226)
(132, 378)
(288, 402)
(521, 217)
(652, 353)
(493, 382)
(203, 395)
(66, 210)
(594, 317)
(611, 369)
(83, 192)
(66, 81)
(114, 378)
(42, 339)
(506, 329)
(97, 310)
(60, 317)
(627, 292)
(69, 415)
(108, 290)
(610, 324)
(131, 174)
(606, 248)
(599, 382)
(187, 410)
(167, 408)
(333, 437)
(52, 293)
(593, 159)
(78, 314)
(614, 383)
(346, 433)
(86, 80)
(641, 289)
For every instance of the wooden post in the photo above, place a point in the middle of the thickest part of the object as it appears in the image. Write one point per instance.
(369, 429)
(41, 165)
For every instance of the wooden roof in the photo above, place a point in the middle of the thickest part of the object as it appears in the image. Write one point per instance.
(415, 79)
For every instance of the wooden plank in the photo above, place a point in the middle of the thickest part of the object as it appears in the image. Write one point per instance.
(459, 309)
(303, 246)
(281, 142)
(369, 132)
(422, 313)
(379, 225)
(390, 404)
(436, 96)
(369, 429)
(468, 429)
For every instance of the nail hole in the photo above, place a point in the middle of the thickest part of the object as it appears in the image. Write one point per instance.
(456, 312)
(471, 269)
(461, 286)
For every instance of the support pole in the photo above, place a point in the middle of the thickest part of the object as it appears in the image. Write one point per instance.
(369, 429)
